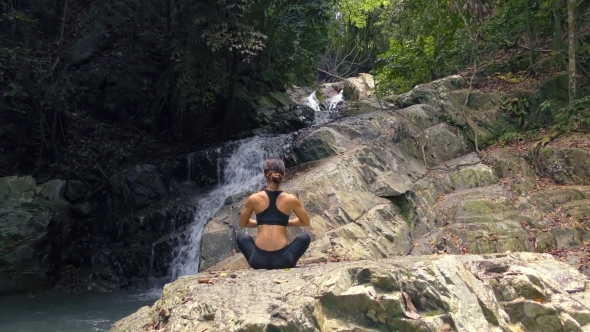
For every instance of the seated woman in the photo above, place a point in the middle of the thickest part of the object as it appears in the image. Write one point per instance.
(272, 208)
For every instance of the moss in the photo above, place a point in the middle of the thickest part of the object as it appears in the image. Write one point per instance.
(432, 313)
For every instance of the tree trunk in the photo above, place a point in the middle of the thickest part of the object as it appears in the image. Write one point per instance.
(571, 22)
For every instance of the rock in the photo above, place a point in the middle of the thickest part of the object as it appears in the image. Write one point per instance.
(360, 87)
(508, 165)
(135, 188)
(442, 144)
(369, 295)
(318, 145)
(83, 210)
(367, 105)
(26, 213)
(564, 165)
(75, 190)
(218, 243)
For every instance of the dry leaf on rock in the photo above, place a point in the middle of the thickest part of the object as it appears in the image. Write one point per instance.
(281, 281)
(203, 281)
(411, 311)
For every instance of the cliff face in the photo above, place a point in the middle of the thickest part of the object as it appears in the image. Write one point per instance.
(499, 292)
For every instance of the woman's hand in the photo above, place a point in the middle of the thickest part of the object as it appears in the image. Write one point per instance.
(302, 216)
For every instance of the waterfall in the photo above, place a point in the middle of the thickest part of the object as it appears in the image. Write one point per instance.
(240, 172)
(189, 163)
(313, 102)
(335, 99)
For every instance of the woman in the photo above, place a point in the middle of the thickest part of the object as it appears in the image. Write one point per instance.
(272, 208)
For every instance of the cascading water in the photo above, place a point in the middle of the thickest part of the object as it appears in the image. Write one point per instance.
(335, 99)
(242, 172)
(320, 116)
(313, 102)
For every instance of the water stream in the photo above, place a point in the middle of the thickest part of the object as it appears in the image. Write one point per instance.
(70, 312)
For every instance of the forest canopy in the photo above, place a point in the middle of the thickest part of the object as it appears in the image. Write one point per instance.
(183, 69)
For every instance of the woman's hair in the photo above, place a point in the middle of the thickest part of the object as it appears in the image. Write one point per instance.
(274, 170)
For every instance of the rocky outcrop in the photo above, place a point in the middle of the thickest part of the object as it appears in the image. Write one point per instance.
(500, 292)
(27, 213)
(399, 182)
(360, 87)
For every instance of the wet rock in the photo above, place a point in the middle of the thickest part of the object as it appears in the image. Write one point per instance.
(371, 295)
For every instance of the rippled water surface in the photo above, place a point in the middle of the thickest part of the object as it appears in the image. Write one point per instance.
(70, 312)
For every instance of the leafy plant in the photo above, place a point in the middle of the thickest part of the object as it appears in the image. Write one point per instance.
(575, 116)
(518, 108)
(510, 137)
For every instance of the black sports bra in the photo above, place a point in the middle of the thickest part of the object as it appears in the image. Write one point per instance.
(272, 215)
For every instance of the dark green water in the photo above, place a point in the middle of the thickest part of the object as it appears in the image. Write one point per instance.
(70, 312)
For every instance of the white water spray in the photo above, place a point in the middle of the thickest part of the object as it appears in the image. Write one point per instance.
(313, 102)
(242, 173)
(335, 99)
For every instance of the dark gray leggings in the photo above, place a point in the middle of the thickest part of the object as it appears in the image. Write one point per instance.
(277, 259)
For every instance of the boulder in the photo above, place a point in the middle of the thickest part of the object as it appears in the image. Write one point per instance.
(135, 188)
(502, 292)
(566, 166)
(360, 87)
(27, 213)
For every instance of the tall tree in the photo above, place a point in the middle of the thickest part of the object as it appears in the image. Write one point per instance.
(571, 22)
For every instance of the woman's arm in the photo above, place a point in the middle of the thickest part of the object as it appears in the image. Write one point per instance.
(245, 220)
(302, 216)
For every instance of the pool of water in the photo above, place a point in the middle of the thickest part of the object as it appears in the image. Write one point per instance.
(70, 312)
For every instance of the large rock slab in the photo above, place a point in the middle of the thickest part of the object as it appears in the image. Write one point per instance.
(502, 292)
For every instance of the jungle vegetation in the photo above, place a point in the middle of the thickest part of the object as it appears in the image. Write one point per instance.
(179, 70)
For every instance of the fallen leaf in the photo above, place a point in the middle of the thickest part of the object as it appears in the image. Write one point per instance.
(233, 275)
(281, 281)
(223, 275)
(539, 300)
(411, 311)
(203, 280)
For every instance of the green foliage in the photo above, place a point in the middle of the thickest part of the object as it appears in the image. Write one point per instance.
(425, 43)
(355, 37)
(510, 137)
(517, 108)
(575, 116)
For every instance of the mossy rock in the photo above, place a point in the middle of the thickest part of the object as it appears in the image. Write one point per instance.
(472, 177)
(569, 166)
